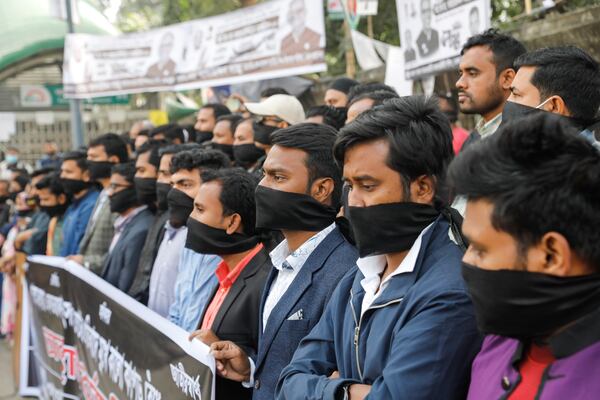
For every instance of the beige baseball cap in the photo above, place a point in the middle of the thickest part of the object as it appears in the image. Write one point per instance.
(282, 106)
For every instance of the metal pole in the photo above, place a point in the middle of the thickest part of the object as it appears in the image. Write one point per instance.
(74, 104)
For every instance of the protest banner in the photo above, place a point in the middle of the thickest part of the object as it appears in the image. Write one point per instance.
(91, 341)
(270, 40)
(432, 32)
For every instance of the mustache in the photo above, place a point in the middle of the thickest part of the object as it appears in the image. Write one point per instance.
(465, 94)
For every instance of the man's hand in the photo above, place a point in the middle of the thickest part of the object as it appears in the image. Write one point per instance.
(77, 258)
(358, 391)
(205, 335)
(22, 237)
(335, 375)
(232, 361)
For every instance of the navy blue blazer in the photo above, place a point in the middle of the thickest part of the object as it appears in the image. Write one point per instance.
(121, 264)
(310, 291)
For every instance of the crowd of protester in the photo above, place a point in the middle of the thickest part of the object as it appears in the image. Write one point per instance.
(368, 247)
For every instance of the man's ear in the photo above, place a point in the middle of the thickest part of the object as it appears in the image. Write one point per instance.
(235, 224)
(62, 198)
(506, 78)
(282, 125)
(422, 190)
(556, 105)
(85, 176)
(554, 255)
(322, 189)
(113, 159)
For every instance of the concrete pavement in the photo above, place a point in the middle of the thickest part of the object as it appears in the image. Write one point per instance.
(7, 388)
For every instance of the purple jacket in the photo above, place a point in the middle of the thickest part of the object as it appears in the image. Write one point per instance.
(574, 375)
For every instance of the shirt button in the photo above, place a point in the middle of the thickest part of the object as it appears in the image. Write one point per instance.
(257, 384)
(505, 383)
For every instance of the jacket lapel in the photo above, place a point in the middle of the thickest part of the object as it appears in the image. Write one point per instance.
(238, 286)
(300, 284)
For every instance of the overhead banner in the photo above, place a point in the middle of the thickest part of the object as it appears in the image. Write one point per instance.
(270, 40)
(433, 32)
(92, 341)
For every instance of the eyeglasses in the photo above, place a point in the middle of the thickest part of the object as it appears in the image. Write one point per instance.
(261, 119)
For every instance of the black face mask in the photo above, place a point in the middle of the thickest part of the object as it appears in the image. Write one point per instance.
(123, 200)
(55, 211)
(276, 210)
(247, 154)
(146, 190)
(203, 136)
(389, 228)
(99, 169)
(225, 148)
(74, 186)
(3, 199)
(24, 213)
(527, 305)
(180, 207)
(162, 191)
(262, 133)
(206, 239)
(13, 195)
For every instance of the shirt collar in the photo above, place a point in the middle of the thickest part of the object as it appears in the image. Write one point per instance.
(295, 260)
(372, 267)
(171, 231)
(226, 277)
(122, 221)
(487, 128)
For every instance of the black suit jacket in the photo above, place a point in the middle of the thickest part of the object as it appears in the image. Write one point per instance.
(237, 319)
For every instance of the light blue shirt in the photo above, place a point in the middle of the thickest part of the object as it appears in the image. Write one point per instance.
(164, 272)
(195, 284)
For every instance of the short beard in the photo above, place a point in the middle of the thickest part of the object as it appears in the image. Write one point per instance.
(495, 98)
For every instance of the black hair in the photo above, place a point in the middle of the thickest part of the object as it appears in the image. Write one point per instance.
(316, 140)
(378, 97)
(199, 158)
(268, 92)
(176, 148)
(419, 137)
(152, 146)
(569, 72)
(53, 183)
(218, 109)
(144, 132)
(233, 119)
(42, 171)
(22, 180)
(80, 158)
(540, 176)
(332, 116)
(370, 87)
(505, 48)
(113, 146)
(126, 170)
(237, 194)
(452, 114)
(161, 129)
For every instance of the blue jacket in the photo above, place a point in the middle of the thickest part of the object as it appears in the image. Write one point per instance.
(122, 262)
(416, 341)
(76, 220)
(309, 292)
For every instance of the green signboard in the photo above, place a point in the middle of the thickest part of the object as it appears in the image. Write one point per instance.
(48, 95)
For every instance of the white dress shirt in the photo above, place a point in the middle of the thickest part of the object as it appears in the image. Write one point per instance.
(372, 267)
(288, 265)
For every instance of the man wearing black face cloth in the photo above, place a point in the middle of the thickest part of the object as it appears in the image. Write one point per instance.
(222, 138)
(147, 164)
(402, 319)
(131, 228)
(103, 153)
(223, 223)
(533, 265)
(560, 80)
(299, 195)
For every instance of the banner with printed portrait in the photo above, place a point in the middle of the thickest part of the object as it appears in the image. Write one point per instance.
(270, 40)
(432, 32)
(92, 341)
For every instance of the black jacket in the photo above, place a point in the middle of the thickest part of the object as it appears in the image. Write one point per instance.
(237, 319)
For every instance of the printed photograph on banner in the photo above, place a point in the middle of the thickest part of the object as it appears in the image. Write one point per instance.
(433, 32)
(270, 40)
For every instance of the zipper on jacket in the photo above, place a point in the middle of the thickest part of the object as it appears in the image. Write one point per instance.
(358, 322)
